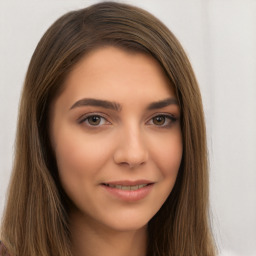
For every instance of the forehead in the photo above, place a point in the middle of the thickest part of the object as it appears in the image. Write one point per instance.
(113, 72)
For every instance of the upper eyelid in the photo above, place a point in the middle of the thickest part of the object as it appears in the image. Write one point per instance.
(172, 118)
(163, 114)
(103, 115)
(85, 116)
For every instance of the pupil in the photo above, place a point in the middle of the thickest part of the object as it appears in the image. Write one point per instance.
(159, 120)
(94, 120)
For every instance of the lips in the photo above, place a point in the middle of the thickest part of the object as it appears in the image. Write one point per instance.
(129, 190)
(123, 187)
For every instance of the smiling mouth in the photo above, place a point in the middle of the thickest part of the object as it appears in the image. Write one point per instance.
(123, 187)
(129, 191)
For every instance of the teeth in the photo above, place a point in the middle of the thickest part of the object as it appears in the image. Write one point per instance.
(135, 187)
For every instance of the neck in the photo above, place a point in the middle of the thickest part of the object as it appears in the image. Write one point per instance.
(94, 239)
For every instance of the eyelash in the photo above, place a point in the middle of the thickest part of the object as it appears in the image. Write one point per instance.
(86, 118)
(168, 120)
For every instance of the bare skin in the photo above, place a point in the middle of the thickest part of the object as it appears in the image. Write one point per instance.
(116, 134)
(102, 239)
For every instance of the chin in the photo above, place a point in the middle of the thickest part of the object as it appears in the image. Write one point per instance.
(129, 221)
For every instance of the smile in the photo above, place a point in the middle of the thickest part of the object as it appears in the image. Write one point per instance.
(122, 187)
(129, 191)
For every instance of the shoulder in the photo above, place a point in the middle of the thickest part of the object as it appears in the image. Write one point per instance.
(3, 250)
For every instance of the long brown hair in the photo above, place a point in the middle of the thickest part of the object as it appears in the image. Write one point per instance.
(36, 220)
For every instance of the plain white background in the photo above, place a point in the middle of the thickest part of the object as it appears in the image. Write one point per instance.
(219, 37)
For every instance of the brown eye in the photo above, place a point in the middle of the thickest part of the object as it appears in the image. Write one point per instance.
(162, 121)
(94, 120)
(159, 120)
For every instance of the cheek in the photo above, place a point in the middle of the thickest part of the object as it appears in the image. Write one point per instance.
(79, 159)
(71, 164)
(168, 155)
(77, 166)
(172, 159)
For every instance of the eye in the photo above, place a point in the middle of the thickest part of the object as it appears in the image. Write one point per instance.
(162, 120)
(94, 120)
(159, 120)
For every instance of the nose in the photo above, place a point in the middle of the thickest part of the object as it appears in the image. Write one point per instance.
(131, 150)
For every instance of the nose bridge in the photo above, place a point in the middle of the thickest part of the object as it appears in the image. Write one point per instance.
(131, 149)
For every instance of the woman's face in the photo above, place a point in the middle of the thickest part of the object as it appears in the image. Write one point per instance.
(116, 134)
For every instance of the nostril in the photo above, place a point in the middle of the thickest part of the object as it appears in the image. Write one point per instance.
(131, 151)
(130, 163)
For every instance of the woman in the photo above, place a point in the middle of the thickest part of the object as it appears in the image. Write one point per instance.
(111, 149)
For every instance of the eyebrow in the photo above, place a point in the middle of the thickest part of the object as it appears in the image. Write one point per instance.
(162, 103)
(97, 103)
(117, 107)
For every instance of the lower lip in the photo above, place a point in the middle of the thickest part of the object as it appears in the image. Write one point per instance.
(129, 195)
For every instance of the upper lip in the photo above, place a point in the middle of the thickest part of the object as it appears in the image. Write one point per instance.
(129, 182)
